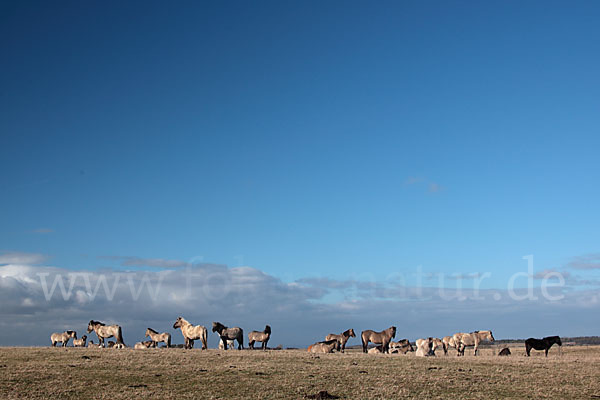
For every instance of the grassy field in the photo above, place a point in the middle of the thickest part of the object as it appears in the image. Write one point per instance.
(178, 373)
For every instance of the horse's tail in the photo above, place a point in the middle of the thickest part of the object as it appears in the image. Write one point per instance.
(310, 347)
(120, 336)
(204, 338)
(169, 340)
(241, 338)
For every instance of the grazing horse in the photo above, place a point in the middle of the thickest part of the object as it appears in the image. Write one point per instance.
(226, 334)
(542, 344)
(402, 346)
(447, 342)
(158, 337)
(262, 337)
(383, 338)
(341, 338)
(191, 333)
(435, 343)
(323, 347)
(80, 342)
(62, 338)
(463, 340)
(105, 331)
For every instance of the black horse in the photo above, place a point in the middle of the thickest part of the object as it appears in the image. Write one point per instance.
(541, 344)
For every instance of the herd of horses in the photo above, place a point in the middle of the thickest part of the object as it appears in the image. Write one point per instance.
(228, 336)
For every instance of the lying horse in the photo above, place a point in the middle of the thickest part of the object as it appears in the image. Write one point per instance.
(226, 333)
(463, 340)
(424, 347)
(191, 333)
(402, 346)
(504, 352)
(383, 338)
(105, 331)
(80, 342)
(144, 345)
(323, 347)
(158, 337)
(341, 338)
(263, 337)
(542, 344)
(62, 338)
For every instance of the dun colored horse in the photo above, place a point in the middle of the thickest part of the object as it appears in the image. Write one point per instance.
(158, 337)
(191, 333)
(80, 342)
(144, 345)
(402, 346)
(463, 340)
(447, 342)
(62, 338)
(542, 344)
(263, 337)
(323, 347)
(424, 347)
(226, 333)
(383, 338)
(341, 338)
(105, 331)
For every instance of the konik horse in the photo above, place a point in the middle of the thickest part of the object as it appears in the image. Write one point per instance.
(341, 338)
(383, 338)
(263, 337)
(105, 331)
(226, 334)
(463, 340)
(191, 333)
(542, 344)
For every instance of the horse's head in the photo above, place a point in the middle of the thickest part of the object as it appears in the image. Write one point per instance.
(558, 341)
(351, 332)
(72, 334)
(393, 328)
(491, 337)
(217, 327)
(90, 327)
(268, 329)
(84, 337)
(177, 324)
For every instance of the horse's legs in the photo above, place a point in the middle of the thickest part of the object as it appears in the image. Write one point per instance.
(251, 344)
(264, 344)
(240, 343)
(364, 344)
(527, 349)
(547, 348)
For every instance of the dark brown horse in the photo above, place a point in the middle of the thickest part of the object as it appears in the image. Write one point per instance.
(541, 344)
(383, 338)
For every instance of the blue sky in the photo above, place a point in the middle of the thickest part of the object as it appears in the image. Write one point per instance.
(339, 140)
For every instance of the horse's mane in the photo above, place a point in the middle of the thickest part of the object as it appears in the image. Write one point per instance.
(329, 342)
(70, 332)
(347, 333)
(218, 326)
(96, 323)
(152, 330)
(267, 329)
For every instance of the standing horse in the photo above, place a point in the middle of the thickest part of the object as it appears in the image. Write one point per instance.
(226, 334)
(262, 337)
(447, 342)
(342, 338)
(463, 340)
(158, 337)
(542, 344)
(62, 338)
(105, 331)
(191, 333)
(383, 338)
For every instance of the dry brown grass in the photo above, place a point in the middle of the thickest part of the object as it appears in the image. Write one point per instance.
(178, 373)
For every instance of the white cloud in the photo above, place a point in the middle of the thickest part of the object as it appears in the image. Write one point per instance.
(15, 257)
